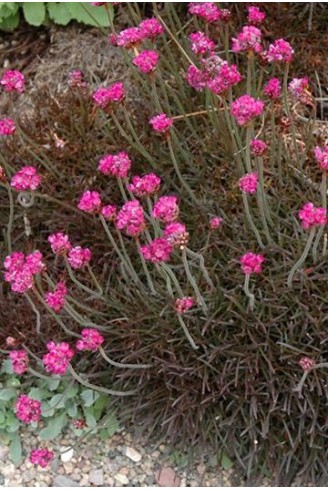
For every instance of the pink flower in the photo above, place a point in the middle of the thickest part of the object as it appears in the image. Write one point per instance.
(258, 147)
(248, 183)
(79, 257)
(245, 108)
(145, 186)
(207, 11)
(166, 209)
(272, 88)
(146, 61)
(200, 43)
(59, 243)
(312, 216)
(41, 457)
(58, 358)
(184, 304)
(298, 87)
(20, 270)
(227, 77)
(280, 51)
(117, 165)
(151, 28)
(130, 37)
(161, 123)
(252, 263)
(131, 218)
(13, 81)
(321, 156)
(249, 39)
(56, 300)
(215, 222)
(27, 179)
(109, 212)
(306, 363)
(159, 250)
(103, 96)
(27, 409)
(91, 340)
(19, 361)
(176, 234)
(34, 262)
(196, 78)
(255, 15)
(7, 126)
(90, 202)
(76, 79)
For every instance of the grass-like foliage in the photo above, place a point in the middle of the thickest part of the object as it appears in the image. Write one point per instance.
(205, 297)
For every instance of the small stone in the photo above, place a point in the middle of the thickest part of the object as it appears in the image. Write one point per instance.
(149, 480)
(96, 477)
(166, 477)
(69, 467)
(64, 481)
(9, 470)
(109, 481)
(67, 455)
(201, 468)
(28, 476)
(132, 454)
(4, 450)
(124, 470)
(123, 479)
(112, 467)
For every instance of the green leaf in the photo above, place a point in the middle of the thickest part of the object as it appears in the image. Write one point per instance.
(46, 410)
(90, 420)
(53, 383)
(15, 449)
(90, 15)
(10, 22)
(12, 422)
(88, 397)
(7, 367)
(39, 394)
(34, 12)
(72, 392)
(7, 394)
(59, 13)
(13, 382)
(2, 417)
(226, 462)
(112, 425)
(54, 428)
(58, 401)
(72, 410)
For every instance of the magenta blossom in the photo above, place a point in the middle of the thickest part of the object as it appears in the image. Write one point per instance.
(59, 243)
(196, 78)
(207, 11)
(272, 88)
(27, 179)
(248, 183)
(184, 304)
(245, 108)
(130, 37)
(19, 361)
(312, 216)
(7, 126)
(58, 357)
(104, 96)
(306, 363)
(117, 165)
(27, 409)
(321, 156)
(20, 270)
(109, 212)
(146, 61)
(166, 209)
(255, 15)
(131, 218)
(79, 257)
(249, 39)
(200, 43)
(90, 202)
(145, 186)
(56, 300)
(252, 263)
(159, 250)
(161, 123)
(215, 222)
(298, 87)
(228, 76)
(151, 28)
(76, 79)
(13, 81)
(280, 51)
(41, 457)
(258, 147)
(91, 340)
(176, 234)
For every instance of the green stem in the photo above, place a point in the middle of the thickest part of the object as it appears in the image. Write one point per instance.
(201, 259)
(192, 281)
(76, 281)
(187, 334)
(120, 365)
(177, 170)
(287, 109)
(324, 205)
(95, 280)
(250, 220)
(248, 293)
(11, 218)
(302, 258)
(36, 311)
(146, 271)
(98, 388)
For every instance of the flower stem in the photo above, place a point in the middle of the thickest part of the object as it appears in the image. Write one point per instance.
(324, 205)
(11, 218)
(201, 259)
(250, 220)
(193, 282)
(36, 311)
(187, 334)
(177, 170)
(120, 365)
(146, 271)
(302, 258)
(248, 293)
(98, 388)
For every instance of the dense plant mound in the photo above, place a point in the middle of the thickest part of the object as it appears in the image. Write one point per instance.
(176, 230)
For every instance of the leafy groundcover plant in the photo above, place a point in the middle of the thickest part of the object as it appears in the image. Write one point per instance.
(166, 241)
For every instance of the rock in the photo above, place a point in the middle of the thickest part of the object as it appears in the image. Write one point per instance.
(9, 470)
(67, 455)
(122, 479)
(112, 467)
(54, 465)
(28, 476)
(132, 454)
(4, 450)
(201, 469)
(96, 477)
(64, 481)
(166, 477)
(109, 481)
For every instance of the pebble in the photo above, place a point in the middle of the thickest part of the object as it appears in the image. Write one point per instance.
(120, 478)
(96, 477)
(64, 481)
(132, 454)
(67, 455)
(4, 450)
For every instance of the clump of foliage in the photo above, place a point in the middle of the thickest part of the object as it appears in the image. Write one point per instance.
(205, 289)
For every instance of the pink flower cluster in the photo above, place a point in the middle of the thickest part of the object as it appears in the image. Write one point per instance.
(248, 183)
(258, 147)
(227, 77)
(151, 28)
(147, 29)
(176, 234)
(20, 270)
(249, 39)
(207, 11)
(19, 361)
(252, 263)
(91, 340)
(255, 15)
(184, 304)
(41, 457)
(117, 165)
(159, 250)
(27, 409)
(245, 108)
(109, 212)
(13, 81)
(200, 43)
(161, 123)
(59, 243)
(312, 216)
(217, 75)
(146, 61)
(321, 156)
(306, 363)
(166, 209)
(298, 87)
(56, 300)
(131, 218)
(279, 51)
(27, 179)
(90, 202)
(7, 126)
(76, 79)
(145, 186)
(272, 88)
(79, 257)
(215, 222)
(104, 96)
(58, 357)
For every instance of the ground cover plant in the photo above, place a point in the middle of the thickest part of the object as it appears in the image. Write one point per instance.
(169, 236)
